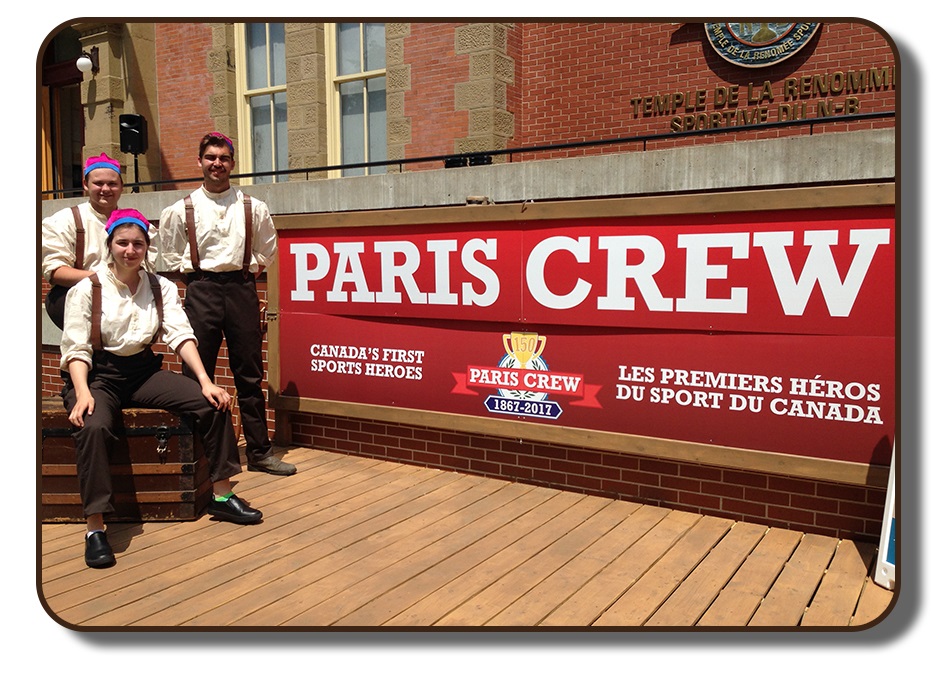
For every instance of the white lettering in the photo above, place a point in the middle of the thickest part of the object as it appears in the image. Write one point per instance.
(698, 271)
(390, 271)
(303, 273)
(441, 250)
(481, 272)
(619, 271)
(349, 259)
(535, 272)
(820, 268)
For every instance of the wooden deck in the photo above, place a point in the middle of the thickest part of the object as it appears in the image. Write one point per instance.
(356, 543)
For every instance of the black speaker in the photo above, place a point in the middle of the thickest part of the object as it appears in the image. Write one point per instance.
(133, 137)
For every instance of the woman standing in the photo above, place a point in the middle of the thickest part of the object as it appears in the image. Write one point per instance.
(117, 368)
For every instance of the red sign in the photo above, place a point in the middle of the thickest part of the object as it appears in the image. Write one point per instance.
(771, 331)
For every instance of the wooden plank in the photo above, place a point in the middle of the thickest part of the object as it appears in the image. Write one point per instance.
(308, 504)
(401, 545)
(699, 590)
(788, 598)
(286, 565)
(133, 572)
(316, 588)
(585, 606)
(399, 539)
(64, 569)
(386, 569)
(533, 606)
(68, 562)
(233, 542)
(513, 586)
(562, 521)
(742, 596)
(485, 603)
(643, 598)
(507, 550)
(124, 538)
(406, 601)
(168, 468)
(366, 571)
(119, 499)
(57, 537)
(233, 564)
(874, 604)
(839, 591)
(139, 553)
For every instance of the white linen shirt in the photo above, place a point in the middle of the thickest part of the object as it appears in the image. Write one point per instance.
(59, 240)
(219, 233)
(128, 320)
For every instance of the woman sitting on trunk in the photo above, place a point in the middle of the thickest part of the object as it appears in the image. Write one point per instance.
(112, 319)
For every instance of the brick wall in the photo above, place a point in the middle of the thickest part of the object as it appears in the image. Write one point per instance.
(184, 84)
(429, 104)
(811, 506)
(574, 82)
(514, 92)
(578, 79)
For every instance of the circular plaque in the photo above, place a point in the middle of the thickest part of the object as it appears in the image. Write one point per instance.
(758, 44)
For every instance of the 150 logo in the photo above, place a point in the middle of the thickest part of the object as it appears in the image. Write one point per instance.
(523, 381)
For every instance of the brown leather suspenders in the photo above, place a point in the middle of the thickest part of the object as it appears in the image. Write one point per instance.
(95, 333)
(159, 304)
(190, 229)
(246, 258)
(193, 242)
(80, 239)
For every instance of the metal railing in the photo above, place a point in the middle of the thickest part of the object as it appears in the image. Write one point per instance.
(484, 157)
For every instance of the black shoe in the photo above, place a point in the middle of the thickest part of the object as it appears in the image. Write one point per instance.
(98, 553)
(234, 510)
(273, 465)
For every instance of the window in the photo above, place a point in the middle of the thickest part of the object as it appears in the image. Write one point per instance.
(359, 117)
(264, 121)
(62, 117)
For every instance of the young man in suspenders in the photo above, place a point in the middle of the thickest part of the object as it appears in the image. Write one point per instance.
(73, 239)
(220, 240)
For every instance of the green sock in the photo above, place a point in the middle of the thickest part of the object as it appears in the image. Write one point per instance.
(225, 497)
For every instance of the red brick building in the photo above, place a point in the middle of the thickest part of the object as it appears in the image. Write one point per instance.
(352, 125)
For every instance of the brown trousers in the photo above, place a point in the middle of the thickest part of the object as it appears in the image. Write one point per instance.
(226, 305)
(117, 382)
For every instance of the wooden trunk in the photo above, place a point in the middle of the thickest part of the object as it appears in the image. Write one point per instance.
(147, 484)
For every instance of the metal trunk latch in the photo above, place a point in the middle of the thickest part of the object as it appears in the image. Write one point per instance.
(162, 435)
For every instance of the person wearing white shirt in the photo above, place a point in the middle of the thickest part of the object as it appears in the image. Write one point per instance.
(220, 243)
(63, 265)
(110, 364)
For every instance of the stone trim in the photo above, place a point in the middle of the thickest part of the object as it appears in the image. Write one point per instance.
(399, 127)
(484, 96)
(223, 100)
(102, 94)
(307, 97)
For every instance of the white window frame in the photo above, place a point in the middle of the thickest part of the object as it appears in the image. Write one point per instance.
(244, 94)
(334, 81)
